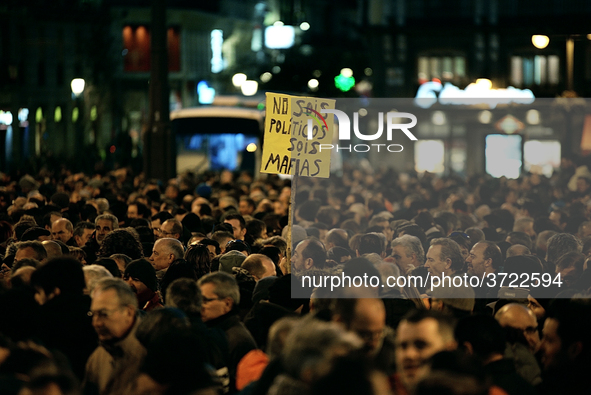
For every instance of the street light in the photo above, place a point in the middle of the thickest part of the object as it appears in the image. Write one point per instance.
(540, 41)
(77, 86)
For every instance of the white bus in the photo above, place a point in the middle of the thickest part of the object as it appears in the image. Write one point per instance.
(218, 138)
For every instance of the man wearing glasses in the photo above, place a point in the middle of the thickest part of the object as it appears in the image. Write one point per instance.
(522, 319)
(221, 297)
(171, 228)
(116, 361)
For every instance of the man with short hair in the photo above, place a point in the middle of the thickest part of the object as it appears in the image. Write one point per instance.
(566, 348)
(104, 225)
(115, 364)
(482, 337)
(259, 266)
(157, 221)
(221, 297)
(246, 206)
(420, 335)
(222, 237)
(485, 258)
(238, 225)
(184, 294)
(172, 228)
(164, 253)
(560, 244)
(309, 254)
(137, 210)
(444, 257)
(367, 318)
(63, 231)
(519, 317)
(408, 253)
(82, 232)
(30, 249)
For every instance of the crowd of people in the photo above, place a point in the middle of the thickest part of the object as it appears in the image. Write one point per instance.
(117, 284)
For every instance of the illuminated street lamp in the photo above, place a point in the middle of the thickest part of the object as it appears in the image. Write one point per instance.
(540, 41)
(77, 86)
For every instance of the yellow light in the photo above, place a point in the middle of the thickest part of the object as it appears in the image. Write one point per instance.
(252, 147)
(484, 83)
(588, 36)
(93, 113)
(75, 114)
(540, 41)
(57, 116)
(38, 115)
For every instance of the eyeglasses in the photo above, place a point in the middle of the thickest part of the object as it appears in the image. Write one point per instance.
(165, 233)
(103, 314)
(370, 335)
(462, 234)
(207, 300)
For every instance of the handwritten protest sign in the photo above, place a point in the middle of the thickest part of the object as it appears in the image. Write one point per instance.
(287, 147)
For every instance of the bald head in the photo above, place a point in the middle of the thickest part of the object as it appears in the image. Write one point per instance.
(521, 318)
(62, 230)
(53, 249)
(366, 317)
(517, 249)
(259, 266)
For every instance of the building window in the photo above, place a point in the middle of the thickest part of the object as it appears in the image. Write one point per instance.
(449, 68)
(535, 70)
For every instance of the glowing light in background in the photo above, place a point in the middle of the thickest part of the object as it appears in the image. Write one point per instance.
(533, 117)
(540, 41)
(238, 79)
(252, 147)
(485, 116)
(304, 26)
(438, 118)
(249, 88)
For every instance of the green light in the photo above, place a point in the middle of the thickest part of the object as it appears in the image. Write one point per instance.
(344, 83)
(39, 115)
(75, 114)
(261, 106)
(93, 113)
(57, 115)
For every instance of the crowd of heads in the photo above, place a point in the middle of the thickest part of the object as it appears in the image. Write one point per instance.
(160, 283)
